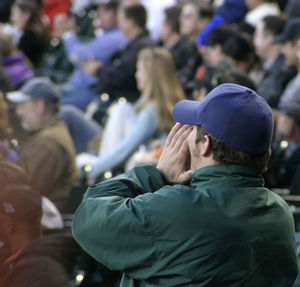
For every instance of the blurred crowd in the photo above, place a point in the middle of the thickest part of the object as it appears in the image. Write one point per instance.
(87, 89)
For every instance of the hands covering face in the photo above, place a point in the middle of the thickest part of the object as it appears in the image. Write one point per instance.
(174, 162)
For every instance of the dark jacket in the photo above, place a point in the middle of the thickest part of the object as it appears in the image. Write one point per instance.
(33, 45)
(275, 80)
(118, 78)
(48, 261)
(224, 229)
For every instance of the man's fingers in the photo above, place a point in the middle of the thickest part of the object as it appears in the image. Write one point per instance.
(177, 138)
(185, 176)
(173, 131)
(181, 136)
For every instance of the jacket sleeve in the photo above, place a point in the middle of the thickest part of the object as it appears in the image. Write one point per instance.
(112, 223)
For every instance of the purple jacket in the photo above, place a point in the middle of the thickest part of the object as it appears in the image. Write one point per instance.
(17, 69)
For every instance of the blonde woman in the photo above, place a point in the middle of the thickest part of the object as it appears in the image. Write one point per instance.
(160, 90)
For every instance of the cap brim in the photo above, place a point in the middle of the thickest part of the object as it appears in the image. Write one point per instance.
(187, 112)
(17, 97)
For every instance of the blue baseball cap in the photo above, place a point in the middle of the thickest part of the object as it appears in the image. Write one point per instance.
(290, 32)
(39, 88)
(234, 114)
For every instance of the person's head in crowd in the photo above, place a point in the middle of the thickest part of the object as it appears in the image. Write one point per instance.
(170, 31)
(194, 18)
(20, 208)
(288, 40)
(266, 31)
(107, 12)
(36, 103)
(27, 15)
(132, 19)
(158, 82)
(229, 48)
(233, 137)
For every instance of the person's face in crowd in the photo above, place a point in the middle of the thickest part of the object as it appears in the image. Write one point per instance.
(214, 55)
(19, 17)
(29, 113)
(203, 52)
(165, 32)
(289, 49)
(262, 41)
(140, 75)
(124, 23)
(107, 17)
(189, 20)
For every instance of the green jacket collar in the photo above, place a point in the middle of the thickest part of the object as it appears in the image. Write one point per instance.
(226, 176)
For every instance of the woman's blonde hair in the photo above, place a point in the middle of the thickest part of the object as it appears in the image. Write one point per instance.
(162, 86)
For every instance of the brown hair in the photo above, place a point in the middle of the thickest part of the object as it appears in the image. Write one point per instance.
(35, 21)
(227, 155)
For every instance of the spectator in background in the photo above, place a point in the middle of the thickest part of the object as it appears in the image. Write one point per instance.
(117, 78)
(184, 51)
(48, 154)
(229, 49)
(160, 90)
(276, 71)
(51, 9)
(29, 260)
(155, 12)
(30, 34)
(16, 65)
(194, 18)
(288, 120)
(102, 48)
(230, 11)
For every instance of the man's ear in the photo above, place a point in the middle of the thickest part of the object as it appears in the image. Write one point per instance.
(206, 146)
(6, 226)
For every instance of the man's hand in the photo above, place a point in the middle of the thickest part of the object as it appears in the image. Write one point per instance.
(176, 155)
(91, 66)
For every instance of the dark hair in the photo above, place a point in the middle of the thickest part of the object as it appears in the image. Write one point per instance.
(205, 10)
(227, 155)
(137, 13)
(274, 24)
(35, 21)
(172, 15)
(219, 36)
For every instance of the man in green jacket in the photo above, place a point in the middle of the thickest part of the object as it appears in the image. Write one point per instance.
(202, 217)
